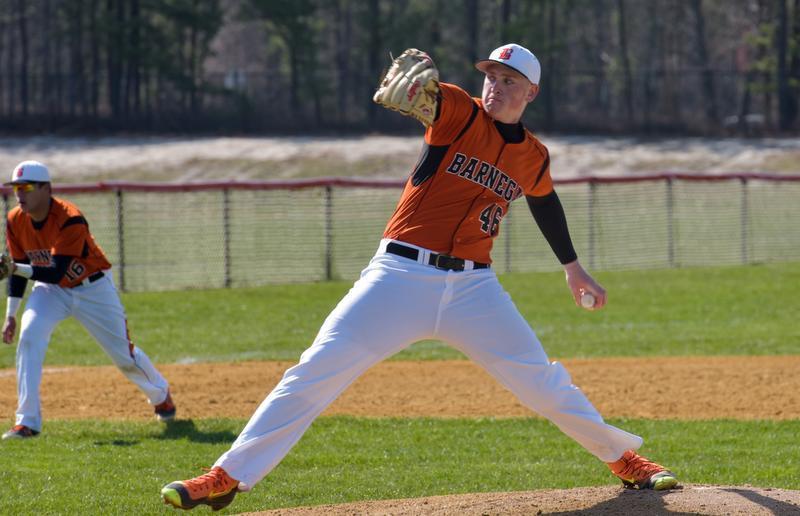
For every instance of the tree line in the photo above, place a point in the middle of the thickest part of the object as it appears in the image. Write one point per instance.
(251, 66)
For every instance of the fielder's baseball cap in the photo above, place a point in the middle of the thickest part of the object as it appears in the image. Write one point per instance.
(29, 172)
(516, 57)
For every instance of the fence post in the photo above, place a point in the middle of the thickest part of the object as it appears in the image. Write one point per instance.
(592, 206)
(121, 240)
(670, 224)
(5, 217)
(328, 232)
(226, 235)
(745, 217)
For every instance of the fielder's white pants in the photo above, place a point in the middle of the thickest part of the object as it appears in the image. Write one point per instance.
(98, 308)
(395, 303)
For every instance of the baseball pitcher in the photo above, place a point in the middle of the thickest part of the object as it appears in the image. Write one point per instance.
(49, 242)
(431, 278)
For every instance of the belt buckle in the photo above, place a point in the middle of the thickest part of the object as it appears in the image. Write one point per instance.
(448, 263)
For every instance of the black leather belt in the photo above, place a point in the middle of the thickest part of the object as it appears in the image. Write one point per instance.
(90, 279)
(440, 261)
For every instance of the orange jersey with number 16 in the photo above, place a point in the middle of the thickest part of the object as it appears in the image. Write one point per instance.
(64, 232)
(465, 180)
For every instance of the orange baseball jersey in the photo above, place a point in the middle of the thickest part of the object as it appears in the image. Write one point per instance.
(465, 180)
(64, 232)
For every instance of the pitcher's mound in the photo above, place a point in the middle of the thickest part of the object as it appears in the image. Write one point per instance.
(688, 499)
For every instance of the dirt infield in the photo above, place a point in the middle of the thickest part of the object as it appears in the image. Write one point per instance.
(687, 388)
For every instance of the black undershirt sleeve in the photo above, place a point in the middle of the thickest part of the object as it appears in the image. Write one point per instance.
(52, 274)
(16, 285)
(552, 222)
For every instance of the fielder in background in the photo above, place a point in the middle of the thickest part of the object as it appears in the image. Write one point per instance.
(49, 241)
(431, 278)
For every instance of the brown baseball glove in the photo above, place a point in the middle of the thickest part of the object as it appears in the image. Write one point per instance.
(411, 86)
(5, 266)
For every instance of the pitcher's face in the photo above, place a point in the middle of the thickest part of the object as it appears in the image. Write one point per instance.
(506, 93)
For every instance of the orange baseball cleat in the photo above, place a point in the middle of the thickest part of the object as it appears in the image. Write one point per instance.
(215, 489)
(636, 471)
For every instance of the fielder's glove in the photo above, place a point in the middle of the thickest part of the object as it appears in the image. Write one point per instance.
(5, 266)
(411, 86)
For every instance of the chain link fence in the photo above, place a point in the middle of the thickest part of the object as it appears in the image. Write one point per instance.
(216, 235)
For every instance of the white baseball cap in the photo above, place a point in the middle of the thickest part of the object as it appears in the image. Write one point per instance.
(29, 172)
(517, 58)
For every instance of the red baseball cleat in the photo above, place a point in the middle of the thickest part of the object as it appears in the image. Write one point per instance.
(20, 432)
(165, 411)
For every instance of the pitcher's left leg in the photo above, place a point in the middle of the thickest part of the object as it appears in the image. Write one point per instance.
(488, 328)
(99, 309)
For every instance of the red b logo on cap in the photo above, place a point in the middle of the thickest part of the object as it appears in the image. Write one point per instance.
(19, 171)
(506, 53)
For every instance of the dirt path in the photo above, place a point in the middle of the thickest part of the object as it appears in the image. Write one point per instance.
(196, 159)
(674, 387)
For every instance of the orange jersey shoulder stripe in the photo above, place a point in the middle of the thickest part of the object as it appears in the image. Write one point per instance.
(466, 178)
(64, 232)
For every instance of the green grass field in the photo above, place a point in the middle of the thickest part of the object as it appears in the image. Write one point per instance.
(119, 467)
(113, 467)
(702, 311)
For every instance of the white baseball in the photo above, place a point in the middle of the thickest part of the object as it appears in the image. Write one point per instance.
(587, 300)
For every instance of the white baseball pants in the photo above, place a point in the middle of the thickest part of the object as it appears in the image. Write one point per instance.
(97, 306)
(395, 303)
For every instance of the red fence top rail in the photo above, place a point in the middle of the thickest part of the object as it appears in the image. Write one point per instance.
(128, 186)
(682, 176)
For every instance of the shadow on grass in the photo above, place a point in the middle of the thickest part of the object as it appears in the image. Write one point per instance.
(186, 429)
(117, 442)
